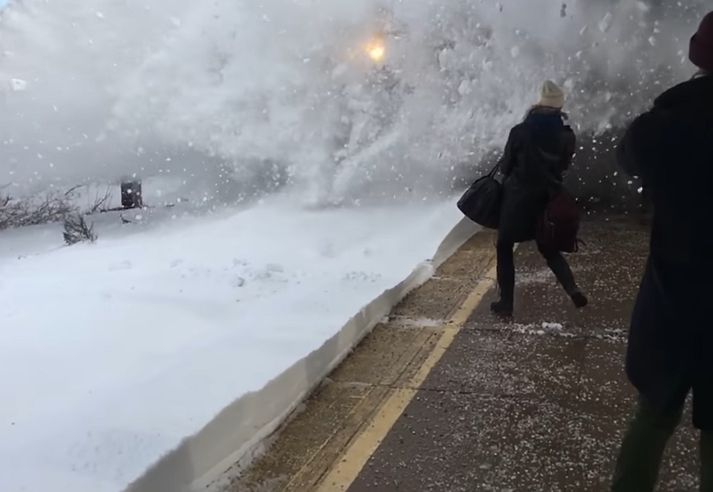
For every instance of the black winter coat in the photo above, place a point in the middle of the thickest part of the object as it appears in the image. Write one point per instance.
(671, 336)
(537, 153)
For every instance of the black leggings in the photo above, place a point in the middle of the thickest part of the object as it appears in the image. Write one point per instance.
(506, 269)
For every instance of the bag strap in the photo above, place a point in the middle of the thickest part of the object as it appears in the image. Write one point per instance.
(494, 171)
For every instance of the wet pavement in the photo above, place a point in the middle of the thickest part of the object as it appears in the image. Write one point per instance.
(536, 404)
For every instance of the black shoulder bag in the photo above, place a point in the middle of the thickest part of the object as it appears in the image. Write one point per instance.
(481, 203)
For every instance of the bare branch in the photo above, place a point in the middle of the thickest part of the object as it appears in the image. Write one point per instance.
(34, 210)
(100, 200)
(76, 230)
(72, 189)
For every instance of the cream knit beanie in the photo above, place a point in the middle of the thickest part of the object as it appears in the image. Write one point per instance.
(551, 95)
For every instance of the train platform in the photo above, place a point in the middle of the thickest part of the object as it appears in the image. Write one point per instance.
(443, 396)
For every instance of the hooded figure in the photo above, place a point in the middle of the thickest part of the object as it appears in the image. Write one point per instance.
(538, 152)
(670, 351)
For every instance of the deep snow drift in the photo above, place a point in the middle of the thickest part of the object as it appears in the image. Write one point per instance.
(112, 353)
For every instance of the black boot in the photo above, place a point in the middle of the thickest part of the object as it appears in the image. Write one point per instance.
(579, 299)
(502, 308)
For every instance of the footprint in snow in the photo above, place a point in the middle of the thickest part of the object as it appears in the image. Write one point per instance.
(124, 265)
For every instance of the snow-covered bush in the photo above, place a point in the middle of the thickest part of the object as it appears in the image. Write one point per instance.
(42, 209)
(54, 206)
(76, 230)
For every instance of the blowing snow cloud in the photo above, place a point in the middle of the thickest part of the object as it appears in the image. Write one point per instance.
(341, 100)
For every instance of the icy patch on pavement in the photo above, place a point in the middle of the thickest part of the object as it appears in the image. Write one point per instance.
(539, 277)
(418, 322)
(544, 328)
(547, 328)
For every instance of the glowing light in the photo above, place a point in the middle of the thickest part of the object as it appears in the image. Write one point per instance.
(376, 51)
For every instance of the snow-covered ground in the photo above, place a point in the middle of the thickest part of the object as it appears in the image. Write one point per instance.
(112, 353)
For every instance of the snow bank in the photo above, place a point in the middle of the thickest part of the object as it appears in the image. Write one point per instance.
(112, 353)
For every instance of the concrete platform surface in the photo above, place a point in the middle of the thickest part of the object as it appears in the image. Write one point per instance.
(536, 404)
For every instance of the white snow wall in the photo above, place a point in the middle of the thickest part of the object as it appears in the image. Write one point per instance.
(210, 459)
(237, 97)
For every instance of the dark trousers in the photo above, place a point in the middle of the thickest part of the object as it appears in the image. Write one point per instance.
(506, 269)
(641, 453)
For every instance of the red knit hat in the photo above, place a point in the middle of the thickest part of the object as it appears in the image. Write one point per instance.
(701, 53)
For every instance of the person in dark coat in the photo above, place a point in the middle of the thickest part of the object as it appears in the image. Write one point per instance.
(538, 152)
(670, 350)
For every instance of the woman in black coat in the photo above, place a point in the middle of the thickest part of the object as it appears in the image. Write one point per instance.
(538, 152)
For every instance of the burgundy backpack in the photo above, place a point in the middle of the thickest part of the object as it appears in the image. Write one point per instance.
(558, 226)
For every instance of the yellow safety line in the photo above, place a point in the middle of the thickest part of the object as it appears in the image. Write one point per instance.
(347, 469)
